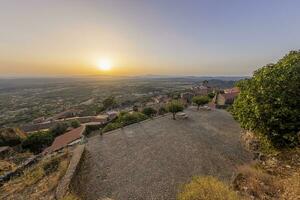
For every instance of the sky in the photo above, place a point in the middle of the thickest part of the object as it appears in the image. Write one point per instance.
(142, 37)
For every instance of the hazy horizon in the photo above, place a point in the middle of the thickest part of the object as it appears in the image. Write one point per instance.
(140, 37)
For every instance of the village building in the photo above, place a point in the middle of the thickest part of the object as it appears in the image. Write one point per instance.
(227, 97)
(67, 139)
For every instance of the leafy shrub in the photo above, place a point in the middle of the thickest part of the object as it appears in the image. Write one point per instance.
(75, 123)
(59, 129)
(125, 119)
(36, 142)
(149, 111)
(269, 101)
(206, 188)
(111, 126)
(131, 118)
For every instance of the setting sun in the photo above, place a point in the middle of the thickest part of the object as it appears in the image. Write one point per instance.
(105, 65)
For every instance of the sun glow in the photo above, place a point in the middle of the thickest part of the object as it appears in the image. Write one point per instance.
(105, 65)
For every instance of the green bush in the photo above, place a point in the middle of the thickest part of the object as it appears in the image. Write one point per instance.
(149, 111)
(111, 126)
(269, 101)
(59, 128)
(36, 142)
(75, 123)
(130, 118)
(206, 188)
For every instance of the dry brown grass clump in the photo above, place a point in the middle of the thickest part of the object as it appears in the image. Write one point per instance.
(71, 196)
(206, 188)
(37, 182)
(255, 183)
(291, 187)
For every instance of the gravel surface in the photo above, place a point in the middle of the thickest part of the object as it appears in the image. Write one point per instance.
(150, 160)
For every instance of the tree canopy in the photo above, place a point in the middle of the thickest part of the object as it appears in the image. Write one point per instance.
(200, 100)
(175, 107)
(269, 102)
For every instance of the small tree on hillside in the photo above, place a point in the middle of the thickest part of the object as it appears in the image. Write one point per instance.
(200, 100)
(174, 107)
(75, 123)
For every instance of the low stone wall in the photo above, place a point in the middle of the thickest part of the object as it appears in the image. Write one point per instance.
(64, 185)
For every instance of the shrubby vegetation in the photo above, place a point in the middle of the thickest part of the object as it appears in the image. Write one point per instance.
(150, 112)
(75, 123)
(125, 119)
(36, 142)
(59, 128)
(162, 110)
(206, 188)
(269, 102)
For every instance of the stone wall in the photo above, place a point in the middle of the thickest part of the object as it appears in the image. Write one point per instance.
(64, 184)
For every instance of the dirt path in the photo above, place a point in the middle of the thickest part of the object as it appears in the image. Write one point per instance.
(150, 160)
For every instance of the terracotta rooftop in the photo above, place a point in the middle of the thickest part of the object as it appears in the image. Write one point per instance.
(65, 139)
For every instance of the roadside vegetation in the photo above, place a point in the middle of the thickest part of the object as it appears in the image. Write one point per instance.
(206, 188)
(124, 119)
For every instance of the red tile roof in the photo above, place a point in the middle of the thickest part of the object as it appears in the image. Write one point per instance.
(65, 139)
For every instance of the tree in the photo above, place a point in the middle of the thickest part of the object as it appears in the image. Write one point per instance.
(211, 95)
(109, 102)
(36, 142)
(269, 102)
(200, 100)
(149, 111)
(174, 107)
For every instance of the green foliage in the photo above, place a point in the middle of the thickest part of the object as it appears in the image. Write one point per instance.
(149, 111)
(174, 107)
(162, 110)
(269, 102)
(109, 102)
(59, 128)
(211, 95)
(206, 188)
(111, 126)
(75, 123)
(36, 142)
(130, 118)
(125, 119)
(200, 100)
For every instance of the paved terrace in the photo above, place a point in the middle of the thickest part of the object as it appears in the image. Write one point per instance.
(150, 160)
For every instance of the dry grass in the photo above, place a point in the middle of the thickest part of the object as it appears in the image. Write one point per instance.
(291, 187)
(206, 188)
(37, 182)
(71, 197)
(255, 183)
(6, 166)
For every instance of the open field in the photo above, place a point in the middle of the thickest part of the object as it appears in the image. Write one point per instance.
(150, 160)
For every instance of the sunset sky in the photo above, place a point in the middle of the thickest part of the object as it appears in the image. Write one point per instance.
(139, 37)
